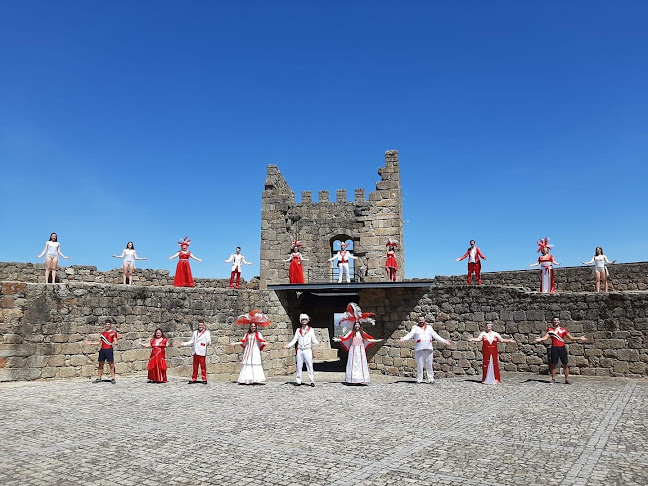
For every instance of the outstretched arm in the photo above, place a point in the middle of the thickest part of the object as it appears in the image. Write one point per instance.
(334, 257)
(59, 252)
(120, 256)
(195, 258)
(43, 252)
(174, 255)
(543, 338)
(581, 338)
(138, 258)
(608, 261)
(587, 263)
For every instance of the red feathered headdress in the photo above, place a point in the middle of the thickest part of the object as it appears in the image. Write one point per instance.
(354, 314)
(296, 244)
(543, 243)
(256, 317)
(391, 242)
(185, 242)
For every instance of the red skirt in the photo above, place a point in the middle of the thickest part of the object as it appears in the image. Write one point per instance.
(391, 262)
(296, 273)
(157, 366)
(183, 276)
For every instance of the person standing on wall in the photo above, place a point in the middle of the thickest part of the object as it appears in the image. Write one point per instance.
(343, 256)
(304, 338)
(200, 339)
(107, 340)
(558, 348)
(600, 262)
(391, 265)
(423, 334)
(546, 262)
(53, 250)
(237, 259)
(474, 264)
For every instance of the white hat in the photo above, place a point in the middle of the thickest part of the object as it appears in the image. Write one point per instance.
(303, 316)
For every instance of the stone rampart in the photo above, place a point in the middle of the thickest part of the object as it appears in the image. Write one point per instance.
(615, 323)
(623, 276)
(44, 328)
(35, 273)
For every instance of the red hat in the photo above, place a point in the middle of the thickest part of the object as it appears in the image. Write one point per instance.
(185, 242)
(354, 314)
(543, 243)
(254, 317)
(391, 242)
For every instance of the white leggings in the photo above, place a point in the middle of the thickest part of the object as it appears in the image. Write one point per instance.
(424, 357)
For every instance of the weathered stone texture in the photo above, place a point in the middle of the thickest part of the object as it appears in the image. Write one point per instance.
(616, 325)
(44, 334)
(367, 223)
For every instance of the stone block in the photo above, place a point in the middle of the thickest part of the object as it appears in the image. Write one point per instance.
(79, 360)
(19, 374)
(67, 372)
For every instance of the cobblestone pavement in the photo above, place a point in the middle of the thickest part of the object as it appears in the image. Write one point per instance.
(455, 432)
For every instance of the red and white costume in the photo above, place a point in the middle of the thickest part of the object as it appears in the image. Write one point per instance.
(423, 349)
(237, 260)
(183, 277)
(107, 338)
(490, 361)
(356, 342)
(304, 338)
(251, 367)
(391, 265)
(357, 369)
(157, 365)
(557, 335)
(546, 262)
(253, 342)
(296, 271)
(199, 340)
(474, 263)
(343, 257)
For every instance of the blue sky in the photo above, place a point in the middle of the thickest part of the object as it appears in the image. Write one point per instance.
(149, 121)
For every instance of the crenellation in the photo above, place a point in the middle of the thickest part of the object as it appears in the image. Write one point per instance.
(341, 196)
(307, 197)
(323, 196)
(359, 195)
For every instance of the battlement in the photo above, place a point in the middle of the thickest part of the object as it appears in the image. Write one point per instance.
(366, 222)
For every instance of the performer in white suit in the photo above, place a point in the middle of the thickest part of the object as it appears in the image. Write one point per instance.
(237, 259)
(304, 338)
(343, 256)
(199, 340)
(423, 335)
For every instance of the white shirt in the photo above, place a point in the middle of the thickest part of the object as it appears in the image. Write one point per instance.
(423, 337)
(472, 252)
(238, 260)
(304, 338)
(200, 341)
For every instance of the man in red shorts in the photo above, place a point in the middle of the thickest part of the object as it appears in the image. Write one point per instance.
(107, 339)
(558, 348)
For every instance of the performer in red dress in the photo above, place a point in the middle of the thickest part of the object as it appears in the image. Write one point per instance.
(546, 262)
(296, 271)
(391, 265)
(183, 277)
(157, 365)
(474, 264)
(489, 339)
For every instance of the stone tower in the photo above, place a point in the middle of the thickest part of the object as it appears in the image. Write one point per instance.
(368, 223)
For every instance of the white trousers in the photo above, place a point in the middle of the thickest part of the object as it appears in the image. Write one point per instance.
(305, 356)
(424, 357)
(344, 270)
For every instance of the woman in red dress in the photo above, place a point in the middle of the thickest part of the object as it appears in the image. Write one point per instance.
(296, 271)
(490, 364)
(391, 265)
(157, 365)
(183, 277)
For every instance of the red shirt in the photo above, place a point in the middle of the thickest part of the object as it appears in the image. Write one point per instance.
(109, 336)
(557, 335)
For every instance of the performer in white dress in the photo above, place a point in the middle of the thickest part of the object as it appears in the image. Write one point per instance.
(546, 262)
(600, 270)
(490, 362)
(236, 259)
(52, 251)
(423, 334)
(343, 256)
(356, 341)
(129, 255)
(253, 342)
(304, 338)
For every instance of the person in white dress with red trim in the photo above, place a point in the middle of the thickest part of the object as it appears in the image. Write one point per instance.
(254, 343)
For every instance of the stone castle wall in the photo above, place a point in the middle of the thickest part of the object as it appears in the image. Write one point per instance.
(622, 277)
(615, 323)
(44, 328)
(35, 273)
(368, 223)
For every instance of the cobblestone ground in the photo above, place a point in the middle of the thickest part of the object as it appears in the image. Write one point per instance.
(455, 432)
